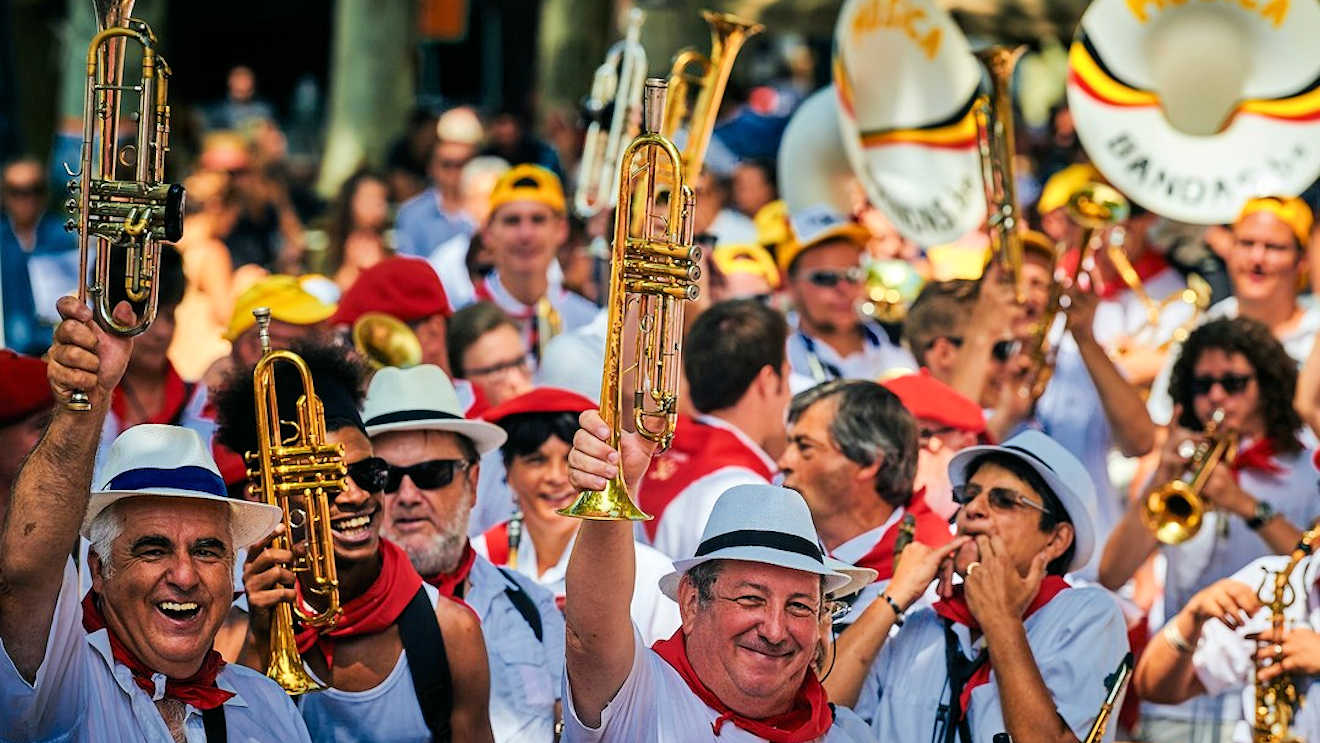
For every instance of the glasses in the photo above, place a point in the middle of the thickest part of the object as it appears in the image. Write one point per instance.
(1002, 351)
(1233, 384)
(827, 278)
(1001, 499)
(369, 474)
(485, 371)
(924, 435)
(428, 475)
(29, 190)
(447, 164)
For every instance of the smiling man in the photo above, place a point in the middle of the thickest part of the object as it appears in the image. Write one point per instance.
(133, 660)
(403, 663)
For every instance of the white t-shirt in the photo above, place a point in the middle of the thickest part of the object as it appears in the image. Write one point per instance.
(655, 705)
(1077, 639)
(1223, 657)
(813, 361)
(82, 694)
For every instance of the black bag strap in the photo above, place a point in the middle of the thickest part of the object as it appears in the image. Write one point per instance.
(424, 645)
(523, 603)
(960, 670)
(213, 720)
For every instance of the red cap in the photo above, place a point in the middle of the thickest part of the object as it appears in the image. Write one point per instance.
(927, 398)
(23, 387)
(403, 287)
(540, 400)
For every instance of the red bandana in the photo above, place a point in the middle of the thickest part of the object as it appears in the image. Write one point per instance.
(171, 407)
(1259, 456)
(931, 530)
(809, 719)
(199, 689)
(372, 612)
(955, 610)
(1149, 264)
(448, 583)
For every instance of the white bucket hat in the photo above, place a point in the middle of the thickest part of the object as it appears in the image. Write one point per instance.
(421, 398)
(759, 523)
(171, 461)
(1061, 470)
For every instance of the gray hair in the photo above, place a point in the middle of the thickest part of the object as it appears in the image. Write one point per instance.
(703, 575)
(869, 423)
(108, 525)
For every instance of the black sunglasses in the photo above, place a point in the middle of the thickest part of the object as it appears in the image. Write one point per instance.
(1001, 499)
(1002, 350)
(428, 475)
(1232, 383)
(369, 474)
(828, 278)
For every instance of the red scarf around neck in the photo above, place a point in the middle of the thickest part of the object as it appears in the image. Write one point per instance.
(809, 719)
(171, 406)
(372, 612)
(448, 583)
(1259, 457)
(931, 530)
(955, 609)
(199, 689)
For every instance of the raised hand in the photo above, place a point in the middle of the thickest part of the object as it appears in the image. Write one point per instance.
(593, 462)
(1231, 602)
(85, 358)
(918, 566)
(267, 581)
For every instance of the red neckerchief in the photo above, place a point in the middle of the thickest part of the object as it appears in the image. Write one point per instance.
(809, 719)
(1149, 264)
(931, 530)
(199, 689)
(448, 583)
(955, 609)
(373, 611)
(176, 397)
(497, 543)
(1259, 457)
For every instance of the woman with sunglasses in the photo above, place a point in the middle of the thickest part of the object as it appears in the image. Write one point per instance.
(1254, 502)
(538, 540)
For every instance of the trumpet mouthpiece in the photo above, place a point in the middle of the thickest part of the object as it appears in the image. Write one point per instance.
(653, 104)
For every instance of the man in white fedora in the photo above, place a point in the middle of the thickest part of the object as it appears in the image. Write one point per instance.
(753, 600)
(1013, 648)
(416, 425)
(134, 659)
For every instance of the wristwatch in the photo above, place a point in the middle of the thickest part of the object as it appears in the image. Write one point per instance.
(1264, 512)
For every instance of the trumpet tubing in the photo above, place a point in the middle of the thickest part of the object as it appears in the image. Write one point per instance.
(995, 143)
(1175, 510)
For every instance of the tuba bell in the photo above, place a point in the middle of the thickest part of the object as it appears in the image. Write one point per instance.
(654, 268)
(124, 217)
(1174, 511)
(615, 101)
(302, 475)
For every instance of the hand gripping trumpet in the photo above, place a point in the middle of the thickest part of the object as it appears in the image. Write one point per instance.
(125, 217)
(616, 101)
(1174, 511)
(302, 474)
(653, 267)
(1277, 700)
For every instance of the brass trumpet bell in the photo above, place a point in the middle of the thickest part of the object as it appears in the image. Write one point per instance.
(383, 340)
(1173, 512)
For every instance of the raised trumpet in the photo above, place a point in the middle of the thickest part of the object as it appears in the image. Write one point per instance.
(128, 217)
(995, 143)
(1175, 510)
(616, 97)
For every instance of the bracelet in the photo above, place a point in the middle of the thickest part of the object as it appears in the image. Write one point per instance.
(1175, 638)
(898, 611)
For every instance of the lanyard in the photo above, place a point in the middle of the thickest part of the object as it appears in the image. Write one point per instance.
(960, 669)
(821, 371)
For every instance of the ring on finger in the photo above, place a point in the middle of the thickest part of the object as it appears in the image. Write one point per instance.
(972, 566)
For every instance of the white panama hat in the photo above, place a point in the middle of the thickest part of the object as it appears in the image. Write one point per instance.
(421, 398)
(173, 462)
(759, 523)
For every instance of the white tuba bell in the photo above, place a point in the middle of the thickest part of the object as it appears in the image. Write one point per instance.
(906, 83)
(813, 166)
(1192, 108)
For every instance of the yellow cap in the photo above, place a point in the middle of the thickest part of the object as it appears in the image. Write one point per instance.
(528, 183)
(1293, 211)
(288, 302)
(1062, 185)
(754, 259)
(814, 225)
(771, 223)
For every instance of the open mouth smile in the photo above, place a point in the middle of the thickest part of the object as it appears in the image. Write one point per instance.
(179, 611)
(354, 529)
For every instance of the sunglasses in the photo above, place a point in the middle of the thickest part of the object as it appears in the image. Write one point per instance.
(1001, 499)
(1002, 351)
(1233, 384)
(369, 474)
(428, 475)
(827, 278)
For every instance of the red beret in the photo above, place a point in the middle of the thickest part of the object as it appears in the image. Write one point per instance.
(403, 287)
(23, 387)
(928, 398)
(540, 400)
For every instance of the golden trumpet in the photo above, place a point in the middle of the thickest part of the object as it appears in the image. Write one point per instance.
(1174, 511)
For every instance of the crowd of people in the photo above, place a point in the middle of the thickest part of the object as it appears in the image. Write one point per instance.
(868, 527)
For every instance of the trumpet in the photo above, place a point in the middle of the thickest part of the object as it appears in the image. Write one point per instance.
(995, 143)
(302, 474)
(1277, 700)
(128, 217)
(1174, 511)
(383, 341)
(728, 33)
(616, 96)
(653, 269)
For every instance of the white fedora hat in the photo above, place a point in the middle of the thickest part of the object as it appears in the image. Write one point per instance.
(173, 462)
(421, 398)
(759, 523)
(858, 577)
(1061, 470)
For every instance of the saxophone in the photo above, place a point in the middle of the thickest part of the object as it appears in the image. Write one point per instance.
(1277, 700)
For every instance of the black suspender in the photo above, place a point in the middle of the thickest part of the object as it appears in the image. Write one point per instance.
(523, 603)
(424, 645)
(960, 670)
(213, 720)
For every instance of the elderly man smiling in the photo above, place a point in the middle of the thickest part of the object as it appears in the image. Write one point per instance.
(133, 660)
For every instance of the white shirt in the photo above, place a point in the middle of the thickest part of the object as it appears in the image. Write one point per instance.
(679, 527)
(1077, 639)
(655, 613)
(82, 694)
(575, 360)
(574, 309)
(813, 361)
(655, 705)
(1223, 658)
